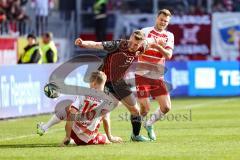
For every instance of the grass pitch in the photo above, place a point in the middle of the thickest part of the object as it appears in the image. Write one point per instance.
(196, 128)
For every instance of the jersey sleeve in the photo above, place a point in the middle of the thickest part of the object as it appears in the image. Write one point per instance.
(145, 31)
(111, 46)
(170, 41)
(78, 103)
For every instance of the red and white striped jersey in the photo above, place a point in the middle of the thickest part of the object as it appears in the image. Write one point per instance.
(151, 55)
(87, 129)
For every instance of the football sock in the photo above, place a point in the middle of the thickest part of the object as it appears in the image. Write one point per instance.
(158, 114)
(54, 120)
(136, 124)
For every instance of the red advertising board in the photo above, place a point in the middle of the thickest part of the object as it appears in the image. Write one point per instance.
(192, 34)
(8, 50)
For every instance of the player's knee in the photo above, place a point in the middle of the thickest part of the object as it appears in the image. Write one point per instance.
(144, 109)
(166, 108)
(144, 112)
(134, 111)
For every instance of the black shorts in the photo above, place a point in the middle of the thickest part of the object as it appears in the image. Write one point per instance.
(119, 89)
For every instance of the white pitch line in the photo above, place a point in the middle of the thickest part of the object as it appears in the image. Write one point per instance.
(30, 135)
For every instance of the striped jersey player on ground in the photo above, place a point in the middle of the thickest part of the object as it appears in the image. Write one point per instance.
(82, 123)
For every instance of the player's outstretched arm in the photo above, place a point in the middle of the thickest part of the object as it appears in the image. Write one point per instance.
(107, 129)
(68, 129)
(88, 44)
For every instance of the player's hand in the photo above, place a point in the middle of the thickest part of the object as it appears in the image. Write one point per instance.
(65, 142)
(139, 53)
(152, 45)
(78, 42)
(115, 139)
(161, 41)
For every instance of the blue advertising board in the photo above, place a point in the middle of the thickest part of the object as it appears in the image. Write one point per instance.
(177, 75)
(21, 89)
(214, 78)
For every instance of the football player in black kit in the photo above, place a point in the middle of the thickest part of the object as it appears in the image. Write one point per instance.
(121, 54)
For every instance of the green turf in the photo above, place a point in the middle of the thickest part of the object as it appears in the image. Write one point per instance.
(212, 131)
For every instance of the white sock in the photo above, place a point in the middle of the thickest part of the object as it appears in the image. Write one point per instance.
(54, 120)
(158, 114)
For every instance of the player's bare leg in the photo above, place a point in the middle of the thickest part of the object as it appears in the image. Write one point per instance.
(136, 120)
(43, 127)
(165, 103)
(164, 107)
(59, 115)
(144, 106)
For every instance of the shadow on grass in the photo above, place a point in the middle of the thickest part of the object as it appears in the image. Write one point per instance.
(31, 145)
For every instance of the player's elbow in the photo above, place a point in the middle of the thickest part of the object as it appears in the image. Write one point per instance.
(168, 57)
(168, 54)
(106, 117)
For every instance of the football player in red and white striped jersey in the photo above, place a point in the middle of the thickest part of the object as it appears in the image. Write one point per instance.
(84, 116)
(152, 84)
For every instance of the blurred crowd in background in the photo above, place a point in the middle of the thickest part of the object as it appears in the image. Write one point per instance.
(19, 10)
(13, 11)
(176, 6)
(97, 19)
(14, 15)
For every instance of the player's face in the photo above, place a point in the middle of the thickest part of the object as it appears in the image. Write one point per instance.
(162, 22)
(134, 44)
(97, 86)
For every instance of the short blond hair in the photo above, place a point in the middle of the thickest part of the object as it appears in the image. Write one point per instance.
(98, 76)
(138, 35)
(165, 12)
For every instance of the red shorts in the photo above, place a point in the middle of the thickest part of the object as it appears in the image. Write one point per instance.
(147, 87)
(99, 139)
